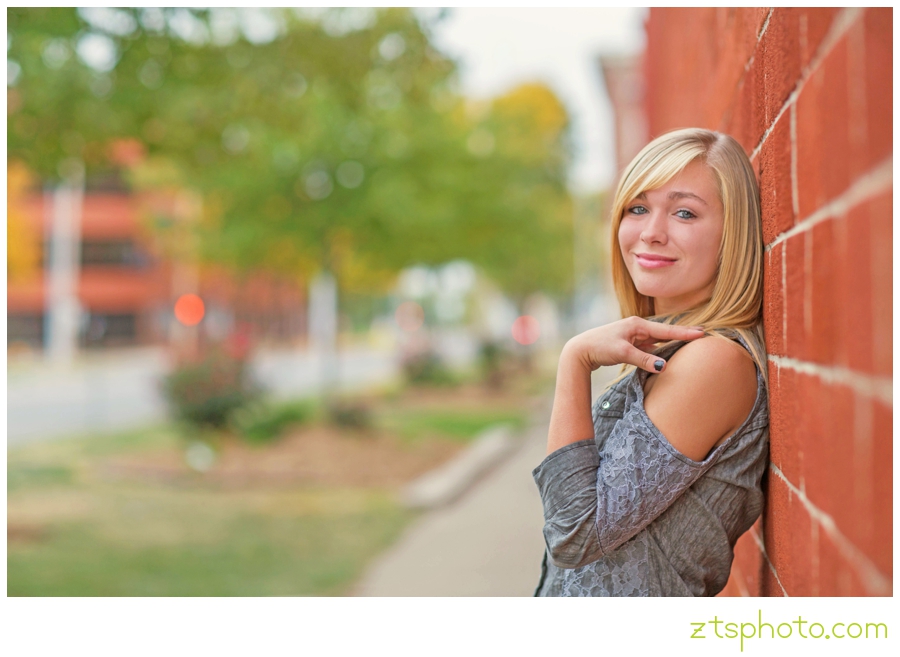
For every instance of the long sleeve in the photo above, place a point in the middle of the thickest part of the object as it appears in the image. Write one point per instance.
(594, 501)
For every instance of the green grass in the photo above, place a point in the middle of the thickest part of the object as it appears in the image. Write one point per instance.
(184, 544)
(72, 532)
(414, 425)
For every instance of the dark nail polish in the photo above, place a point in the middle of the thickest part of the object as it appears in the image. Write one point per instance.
(658, 365)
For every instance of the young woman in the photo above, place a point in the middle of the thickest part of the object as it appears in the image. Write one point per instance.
(646, 493)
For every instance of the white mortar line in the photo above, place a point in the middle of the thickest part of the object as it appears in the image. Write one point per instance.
(762, 548)
(841, 24)
(784, 303)
(881, 388)
(765, 26)
(870, 184)
(795, 194)
(873, 579)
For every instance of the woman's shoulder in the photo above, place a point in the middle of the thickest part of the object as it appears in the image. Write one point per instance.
(705, 393)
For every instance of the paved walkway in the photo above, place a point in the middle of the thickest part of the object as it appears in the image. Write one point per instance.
(487, 543)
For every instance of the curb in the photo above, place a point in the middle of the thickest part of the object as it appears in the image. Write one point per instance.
(447, 483)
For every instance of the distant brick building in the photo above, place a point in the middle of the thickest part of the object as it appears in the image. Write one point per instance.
(808, 93)
(127, 286)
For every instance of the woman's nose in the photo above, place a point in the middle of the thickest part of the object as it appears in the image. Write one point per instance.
(654, 230)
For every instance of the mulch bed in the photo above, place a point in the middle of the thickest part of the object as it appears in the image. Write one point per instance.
(318, 454)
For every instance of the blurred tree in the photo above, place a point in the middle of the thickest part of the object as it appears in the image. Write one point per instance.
(318, 140)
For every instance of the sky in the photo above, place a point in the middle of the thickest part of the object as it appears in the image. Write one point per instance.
(502, 47)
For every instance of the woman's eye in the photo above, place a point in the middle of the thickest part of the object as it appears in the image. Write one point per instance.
(685, 214)
(637, 209)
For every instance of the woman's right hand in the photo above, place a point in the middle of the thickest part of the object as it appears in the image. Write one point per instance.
(628, 341)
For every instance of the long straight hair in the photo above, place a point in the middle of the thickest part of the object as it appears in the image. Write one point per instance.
(735, 306)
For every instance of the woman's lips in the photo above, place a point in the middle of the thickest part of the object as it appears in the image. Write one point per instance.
(653, 261)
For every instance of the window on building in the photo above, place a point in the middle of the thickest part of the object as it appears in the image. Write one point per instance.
(25, 329)
(107, 330)
(111, 252)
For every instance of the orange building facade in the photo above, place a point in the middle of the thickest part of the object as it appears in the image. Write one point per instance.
(127, 285)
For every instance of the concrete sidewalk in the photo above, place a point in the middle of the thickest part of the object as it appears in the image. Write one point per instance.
(488, 542)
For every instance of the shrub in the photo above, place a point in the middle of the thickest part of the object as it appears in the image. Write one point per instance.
(353, 415)
(494, 363)
(264, 422)
(206, 392)
(427, 367)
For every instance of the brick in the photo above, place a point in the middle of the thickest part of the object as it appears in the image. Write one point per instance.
(823, 272)
(882, 487)
(773, 300)
(795, 344)
(770, 586)
(779, 53)
(813, 24)
(750, 559)
(735, 44)
(789, 539)
(823, 134)
(853, 234)
(825, 440)
(745, 122)
(678, 88)
(879, 77)
(784, 409)
(837, 575)
(775, 181)
(880, 212)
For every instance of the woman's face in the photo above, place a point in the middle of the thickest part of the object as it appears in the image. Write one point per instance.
(670, 239)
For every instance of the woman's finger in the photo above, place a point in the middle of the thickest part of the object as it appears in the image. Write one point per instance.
(645, 361)
(672, 332)
(647, 345)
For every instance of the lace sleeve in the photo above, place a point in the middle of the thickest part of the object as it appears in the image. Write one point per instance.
(594, 500)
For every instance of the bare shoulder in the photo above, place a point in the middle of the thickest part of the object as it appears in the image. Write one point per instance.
(705, 393)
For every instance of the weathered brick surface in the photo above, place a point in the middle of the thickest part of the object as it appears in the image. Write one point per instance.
(827, 525)
(881, 224)
(773, 301)
(778, 55)
(823, 133)
(795, 298)
(775, 188)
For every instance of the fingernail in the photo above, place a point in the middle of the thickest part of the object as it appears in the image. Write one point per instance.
(697, 328)
(658, 365)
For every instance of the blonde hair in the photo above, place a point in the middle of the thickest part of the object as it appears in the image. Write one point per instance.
(735, 306)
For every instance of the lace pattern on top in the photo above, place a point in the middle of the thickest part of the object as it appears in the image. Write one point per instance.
(594, 518)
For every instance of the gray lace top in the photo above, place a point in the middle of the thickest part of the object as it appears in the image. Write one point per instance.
(626, 514)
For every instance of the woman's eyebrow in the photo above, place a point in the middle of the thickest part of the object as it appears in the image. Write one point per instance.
(676, 195)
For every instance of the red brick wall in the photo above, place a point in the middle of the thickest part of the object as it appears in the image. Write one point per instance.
(808, 93)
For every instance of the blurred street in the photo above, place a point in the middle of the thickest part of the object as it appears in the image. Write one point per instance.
(114, 391)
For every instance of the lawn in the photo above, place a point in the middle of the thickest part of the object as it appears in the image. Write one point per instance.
(123, 515)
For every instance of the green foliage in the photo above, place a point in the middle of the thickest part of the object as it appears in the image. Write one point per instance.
(493, 359)
(265, 422)
(206, 392)
(427, 368)
(350, 414)
(339, 143)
